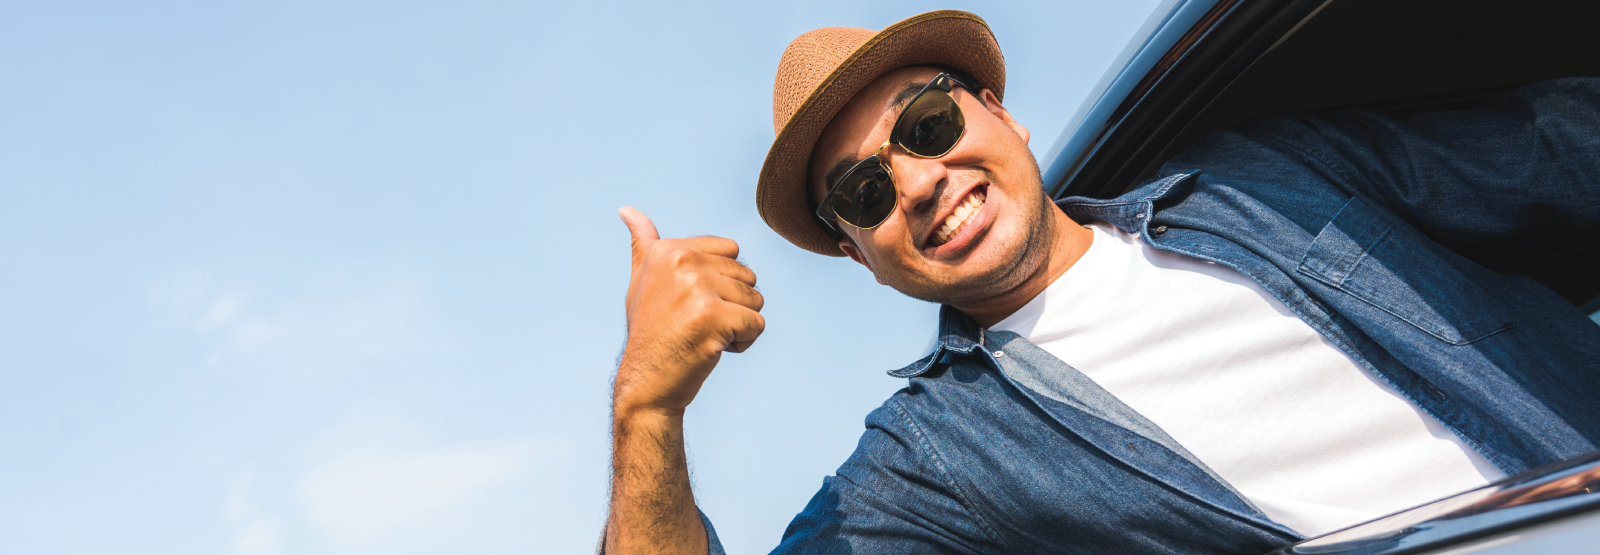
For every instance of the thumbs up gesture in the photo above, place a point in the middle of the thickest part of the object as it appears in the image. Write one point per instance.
(689, 300)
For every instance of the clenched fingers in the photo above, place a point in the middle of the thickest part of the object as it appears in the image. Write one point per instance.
(685, 259)
(737, 292)
(732, 268)
(718, 246)
(744, 326)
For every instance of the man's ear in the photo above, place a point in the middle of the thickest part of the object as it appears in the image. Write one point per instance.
(854, 253)
(993, 104)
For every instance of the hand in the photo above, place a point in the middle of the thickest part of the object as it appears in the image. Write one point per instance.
(688, 301)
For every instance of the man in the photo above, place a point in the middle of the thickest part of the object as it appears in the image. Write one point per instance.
(1289, 330)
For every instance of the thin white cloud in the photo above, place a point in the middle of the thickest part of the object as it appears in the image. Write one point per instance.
(255, 532)
(374, 488)
(325, 336)
(224, 310)
(375, 481)
(258, 537)
(320, 332)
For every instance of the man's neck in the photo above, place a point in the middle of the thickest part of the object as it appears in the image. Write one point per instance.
(1068, 243)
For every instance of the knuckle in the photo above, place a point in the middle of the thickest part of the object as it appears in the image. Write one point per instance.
(702, 307)
(692, 280)
(680, 257)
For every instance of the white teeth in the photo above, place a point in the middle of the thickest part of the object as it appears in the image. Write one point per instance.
(966, 209)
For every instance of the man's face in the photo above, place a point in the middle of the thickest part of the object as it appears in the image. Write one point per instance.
(993, 248)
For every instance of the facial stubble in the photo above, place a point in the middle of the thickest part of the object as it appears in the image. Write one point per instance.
(1014, 268)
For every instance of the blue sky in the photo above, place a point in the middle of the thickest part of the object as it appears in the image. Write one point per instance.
(346, 277)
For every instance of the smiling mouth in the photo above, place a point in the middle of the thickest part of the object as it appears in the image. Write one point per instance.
(963, 212)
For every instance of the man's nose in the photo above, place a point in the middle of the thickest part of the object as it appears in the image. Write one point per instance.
(917, 180)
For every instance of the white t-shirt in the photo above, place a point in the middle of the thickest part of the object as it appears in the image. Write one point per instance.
(1266, 402)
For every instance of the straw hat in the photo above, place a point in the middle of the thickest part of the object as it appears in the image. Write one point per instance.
(823, 69)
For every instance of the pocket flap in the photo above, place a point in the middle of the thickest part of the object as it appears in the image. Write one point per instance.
(1368, 254)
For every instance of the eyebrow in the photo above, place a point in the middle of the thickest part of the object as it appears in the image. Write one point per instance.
(905, 95)
(837, 172)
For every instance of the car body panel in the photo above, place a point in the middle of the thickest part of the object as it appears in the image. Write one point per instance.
(1558, 504)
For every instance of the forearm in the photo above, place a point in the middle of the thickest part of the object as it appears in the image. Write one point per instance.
(652, 506)
(689, 301)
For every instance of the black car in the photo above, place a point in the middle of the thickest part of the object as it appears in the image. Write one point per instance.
(1199, 66)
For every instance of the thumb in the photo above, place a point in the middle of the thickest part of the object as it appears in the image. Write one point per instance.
(641, 228)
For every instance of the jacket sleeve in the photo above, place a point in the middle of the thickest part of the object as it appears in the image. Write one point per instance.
(713, 545)
(891, 496)
(1513, 184)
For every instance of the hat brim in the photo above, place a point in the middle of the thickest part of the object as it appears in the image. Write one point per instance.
(948, 37)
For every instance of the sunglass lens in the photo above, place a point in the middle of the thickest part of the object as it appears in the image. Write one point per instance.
(864, 197)
(931, 125)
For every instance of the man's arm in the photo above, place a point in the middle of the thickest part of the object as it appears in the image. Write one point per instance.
(1511, 184)
(652, 507)
(688, 301)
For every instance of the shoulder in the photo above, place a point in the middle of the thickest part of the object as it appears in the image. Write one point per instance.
(950, 420)
(897, 491)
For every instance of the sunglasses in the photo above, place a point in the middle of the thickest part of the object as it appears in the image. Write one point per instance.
(929, 127)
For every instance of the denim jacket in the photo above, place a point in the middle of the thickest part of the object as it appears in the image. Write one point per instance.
(1402, 240)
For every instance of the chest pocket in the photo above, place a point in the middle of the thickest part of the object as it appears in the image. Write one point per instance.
(1373, 257)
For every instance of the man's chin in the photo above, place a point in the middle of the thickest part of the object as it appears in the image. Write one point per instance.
(1000, 259)
(978, 276)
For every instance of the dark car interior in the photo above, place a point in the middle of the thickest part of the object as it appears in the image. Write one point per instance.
(1386, 55)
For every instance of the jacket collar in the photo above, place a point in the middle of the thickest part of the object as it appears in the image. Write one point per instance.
(1130, 212)
(958, 333)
